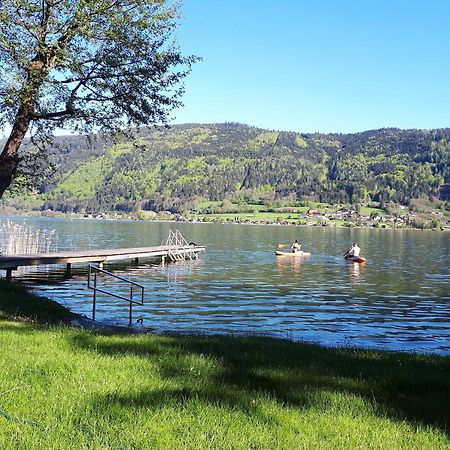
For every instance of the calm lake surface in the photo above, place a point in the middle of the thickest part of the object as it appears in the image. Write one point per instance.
(400, 300)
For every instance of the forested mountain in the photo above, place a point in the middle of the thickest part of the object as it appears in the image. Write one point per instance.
(177, 168)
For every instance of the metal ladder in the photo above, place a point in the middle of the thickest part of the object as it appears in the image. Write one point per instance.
(92, 284)
(179, 248)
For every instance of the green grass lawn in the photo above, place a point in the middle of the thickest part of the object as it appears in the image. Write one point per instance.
(65, 388)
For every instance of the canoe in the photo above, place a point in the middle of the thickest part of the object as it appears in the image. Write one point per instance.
(299, 253)
(356, 259)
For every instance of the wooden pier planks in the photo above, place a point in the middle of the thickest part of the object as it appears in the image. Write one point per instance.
(12, 262)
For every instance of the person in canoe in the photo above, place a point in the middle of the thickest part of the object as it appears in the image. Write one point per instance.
(353, 252)
(296, 246)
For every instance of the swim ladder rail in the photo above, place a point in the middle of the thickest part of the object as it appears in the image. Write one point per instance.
(94, 270)
(179, 247)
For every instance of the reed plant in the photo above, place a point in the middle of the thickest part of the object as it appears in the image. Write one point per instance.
(25, 239)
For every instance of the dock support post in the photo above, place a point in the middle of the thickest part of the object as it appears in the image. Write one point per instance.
(136, 260)
(163, 259)
(9, 274)
(68, 267)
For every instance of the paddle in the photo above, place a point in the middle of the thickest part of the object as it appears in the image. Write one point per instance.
(282, 245)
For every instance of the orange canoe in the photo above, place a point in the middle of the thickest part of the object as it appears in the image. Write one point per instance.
(356, 259)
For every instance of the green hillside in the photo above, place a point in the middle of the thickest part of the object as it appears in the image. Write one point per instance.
(183, 167)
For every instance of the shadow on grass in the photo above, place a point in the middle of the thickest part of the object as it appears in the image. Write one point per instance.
(17, 301)
(400, 386)
(96, 342)
(17, 327)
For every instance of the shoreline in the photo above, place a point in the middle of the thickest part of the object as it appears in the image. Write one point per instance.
(174, 389)
(67, 216)
(46, 312)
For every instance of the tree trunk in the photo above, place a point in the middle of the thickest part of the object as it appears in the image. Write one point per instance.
(9, 158)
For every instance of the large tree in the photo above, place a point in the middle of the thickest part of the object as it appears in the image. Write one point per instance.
(84, 66)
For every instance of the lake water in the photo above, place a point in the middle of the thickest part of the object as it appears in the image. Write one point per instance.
(399, 300)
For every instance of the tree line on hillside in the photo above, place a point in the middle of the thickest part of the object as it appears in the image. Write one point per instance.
(178, 168)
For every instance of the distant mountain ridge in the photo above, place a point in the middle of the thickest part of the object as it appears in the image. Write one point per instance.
(178, 168)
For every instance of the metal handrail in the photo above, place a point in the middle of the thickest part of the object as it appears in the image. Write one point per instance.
(94, 270)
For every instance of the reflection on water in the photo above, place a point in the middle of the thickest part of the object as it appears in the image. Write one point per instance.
(291, 263)
(355, 271)
(400, 299)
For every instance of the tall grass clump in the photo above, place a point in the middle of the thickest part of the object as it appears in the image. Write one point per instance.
(16, 239)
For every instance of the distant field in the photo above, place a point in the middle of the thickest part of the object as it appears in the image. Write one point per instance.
(367, 210)
(259, 215)
(207, 204)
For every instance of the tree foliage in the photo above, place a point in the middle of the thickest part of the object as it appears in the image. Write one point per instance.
(85, 65)
(175, 169)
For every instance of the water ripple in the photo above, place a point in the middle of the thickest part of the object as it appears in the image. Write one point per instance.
(399, 300)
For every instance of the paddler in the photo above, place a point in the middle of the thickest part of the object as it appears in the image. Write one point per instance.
(295, 247)
(354, 251)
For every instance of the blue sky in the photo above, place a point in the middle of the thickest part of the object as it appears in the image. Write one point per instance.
(318, 65)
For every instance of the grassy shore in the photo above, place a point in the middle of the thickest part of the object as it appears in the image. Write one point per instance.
(17, 302)
(66, 388)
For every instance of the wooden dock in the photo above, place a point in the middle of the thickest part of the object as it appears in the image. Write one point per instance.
(166, 252)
